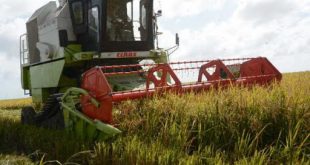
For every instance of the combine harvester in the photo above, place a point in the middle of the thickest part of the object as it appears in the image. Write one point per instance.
(80, 58)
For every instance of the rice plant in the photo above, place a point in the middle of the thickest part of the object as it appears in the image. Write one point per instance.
(257, 125)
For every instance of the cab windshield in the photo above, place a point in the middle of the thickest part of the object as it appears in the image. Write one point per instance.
(127, 20)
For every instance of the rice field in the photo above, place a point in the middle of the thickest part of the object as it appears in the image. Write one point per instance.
(258, 125)
(15, 103)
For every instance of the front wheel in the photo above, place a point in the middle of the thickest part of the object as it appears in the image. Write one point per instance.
(28, 116)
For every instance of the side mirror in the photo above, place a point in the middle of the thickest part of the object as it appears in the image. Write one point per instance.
(159, 13)
(63, 38)
(177, 39)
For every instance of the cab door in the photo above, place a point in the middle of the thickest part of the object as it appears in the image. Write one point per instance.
(94, 26)
(87, 23)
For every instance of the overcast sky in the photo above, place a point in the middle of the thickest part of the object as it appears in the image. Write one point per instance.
(277, 29)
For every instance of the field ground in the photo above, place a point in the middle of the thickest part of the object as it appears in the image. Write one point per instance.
(14, 159)
(261, 125)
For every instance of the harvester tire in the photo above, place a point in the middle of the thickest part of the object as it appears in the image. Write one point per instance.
(54, 119)
(28, 116)
(52, 116)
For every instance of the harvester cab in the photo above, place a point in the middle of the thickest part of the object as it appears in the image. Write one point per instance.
(82, 57)
(113, 25)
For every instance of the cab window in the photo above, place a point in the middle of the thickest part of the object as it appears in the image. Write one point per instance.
(93, 19)
(93, 27)
(77, 9)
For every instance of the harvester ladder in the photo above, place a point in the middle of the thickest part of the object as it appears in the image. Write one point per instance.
(24, 51)
(24, 54)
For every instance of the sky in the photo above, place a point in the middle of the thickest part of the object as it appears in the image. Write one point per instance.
(208, 29)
